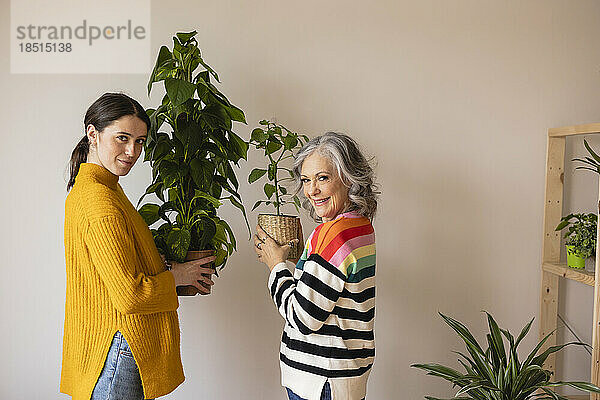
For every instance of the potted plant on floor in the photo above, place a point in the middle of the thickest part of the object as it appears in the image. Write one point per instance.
(279, 144)
(192, 165)
(581, 237)
(496, 372)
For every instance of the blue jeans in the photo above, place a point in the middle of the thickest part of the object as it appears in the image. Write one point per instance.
(120, 377)
(325, 394)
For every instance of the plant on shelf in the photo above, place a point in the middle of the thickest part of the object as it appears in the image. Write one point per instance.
(279, 144)
(192, 164)
(581, 237)
(496, 373)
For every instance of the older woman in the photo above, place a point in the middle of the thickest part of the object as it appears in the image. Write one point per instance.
(328, 303)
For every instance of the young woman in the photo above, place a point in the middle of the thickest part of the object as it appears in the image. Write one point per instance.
(121, 332)
(328, 303)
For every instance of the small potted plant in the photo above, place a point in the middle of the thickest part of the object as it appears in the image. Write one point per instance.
(192, 165)
(581, 237)
(279, 144)
(497, 372)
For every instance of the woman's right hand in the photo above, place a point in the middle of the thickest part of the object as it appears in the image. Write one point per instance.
(194, 273)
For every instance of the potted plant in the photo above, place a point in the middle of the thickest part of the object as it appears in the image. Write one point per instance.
(192, 164)
(279, 144)
(496, 372)
(581, 237)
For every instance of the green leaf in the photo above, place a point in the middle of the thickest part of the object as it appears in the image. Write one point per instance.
(562, 225)
(229, 233)
(439, 370)
(259, 136)
(240, 207)
(230, 173)
(539, 360)
(197, 216)
(589, 149)
(202, 172)
(218, 115)
(523, 333)
(178, 241)
(497, 341)
(209, 229)
(179, 90)
(258, 203)
(256, 174)
(585, 386)
(290, 142)
(149, 213)
(184, 37)
(213, 148)
(463, 332)
(269, 190)
(164, 55)
(273, 146)
(162, 148)
(238, 145)
(236, 114)
(224, 184)
(283, 190)
(536, 349)
(201, 195)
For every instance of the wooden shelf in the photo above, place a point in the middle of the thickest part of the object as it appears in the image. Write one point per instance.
(552, 249)
(579, 275)
(585, 129)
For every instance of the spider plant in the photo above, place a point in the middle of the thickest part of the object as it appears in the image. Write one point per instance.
(590, 163)
(496, 373)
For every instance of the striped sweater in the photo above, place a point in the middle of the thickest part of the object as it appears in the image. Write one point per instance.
(116, 280)
(329, 307)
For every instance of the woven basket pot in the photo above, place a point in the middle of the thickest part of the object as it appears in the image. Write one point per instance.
(194, 255)
(283, 228)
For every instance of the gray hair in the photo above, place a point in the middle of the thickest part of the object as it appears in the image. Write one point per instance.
(353, 168)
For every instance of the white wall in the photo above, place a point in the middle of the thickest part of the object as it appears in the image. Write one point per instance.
(452, 97)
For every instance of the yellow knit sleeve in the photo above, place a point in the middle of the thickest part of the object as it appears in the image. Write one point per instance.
(112, 252)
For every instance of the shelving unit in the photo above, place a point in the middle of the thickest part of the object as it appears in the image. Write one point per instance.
(552, 269)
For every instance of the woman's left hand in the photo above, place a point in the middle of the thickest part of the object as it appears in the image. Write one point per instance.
(267, 249)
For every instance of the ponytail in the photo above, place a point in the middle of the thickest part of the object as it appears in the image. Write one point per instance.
(78, 156)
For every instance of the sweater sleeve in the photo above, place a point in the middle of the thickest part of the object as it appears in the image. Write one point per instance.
(306, 303)
(112, 252)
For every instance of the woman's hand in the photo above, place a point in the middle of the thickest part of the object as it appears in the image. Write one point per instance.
(267, 249)
(194, 273)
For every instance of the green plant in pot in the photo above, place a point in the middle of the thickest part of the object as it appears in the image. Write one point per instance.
(496, 373)
(192, 163)
(279, 144)
(581, 237)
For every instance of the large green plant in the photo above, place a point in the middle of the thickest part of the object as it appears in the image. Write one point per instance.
(279, 144)
(581, 233)
(496, 373)
(192, 163)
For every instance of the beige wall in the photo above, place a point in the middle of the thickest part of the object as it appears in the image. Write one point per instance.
(453, 98)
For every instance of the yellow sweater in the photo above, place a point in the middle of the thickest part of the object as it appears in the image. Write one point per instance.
(116, 280)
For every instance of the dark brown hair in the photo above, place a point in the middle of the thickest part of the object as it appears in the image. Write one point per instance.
(102, 113)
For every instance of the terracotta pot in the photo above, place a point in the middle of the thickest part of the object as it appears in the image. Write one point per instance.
(190, 290)
(283, 228)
